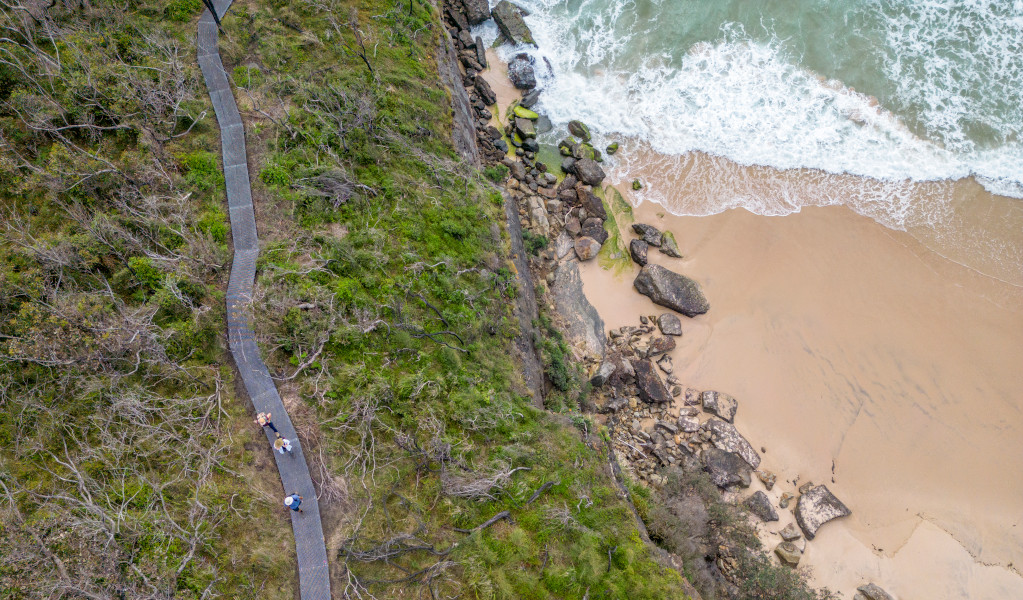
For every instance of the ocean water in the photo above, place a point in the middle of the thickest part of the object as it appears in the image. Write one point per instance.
(897, 91)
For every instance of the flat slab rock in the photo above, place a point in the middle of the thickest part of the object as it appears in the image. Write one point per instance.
(582, 320)
(651, 389)
(720, 404)
(668, 323)
(760, 505)
(788, 553)
(671, 290)
(816, 507)
(727, 469)
(871, 591)
(728, 438)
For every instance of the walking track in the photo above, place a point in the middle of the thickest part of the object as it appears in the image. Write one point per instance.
(313, 574)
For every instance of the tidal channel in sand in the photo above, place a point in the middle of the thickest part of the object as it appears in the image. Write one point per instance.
(852, 346)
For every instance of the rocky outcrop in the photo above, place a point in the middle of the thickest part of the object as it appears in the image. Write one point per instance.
(486, 93)
(760, 505)
(719, 404)
(509, 19)
(668, 323)
(651, 388)
(726, 469)
(584, 324)
(588, 171)
(671, 290)
(816, 507)
(726, 437)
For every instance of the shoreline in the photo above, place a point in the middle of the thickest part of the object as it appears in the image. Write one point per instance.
(871, 545)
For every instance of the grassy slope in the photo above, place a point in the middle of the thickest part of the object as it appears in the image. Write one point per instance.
(371, 220)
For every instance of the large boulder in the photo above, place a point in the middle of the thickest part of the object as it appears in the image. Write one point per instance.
(588, 171)
(816, 507)
(871, 591)
(509, 20)
(651, 388)
(669, 246)
(579, 130)
(583, 323)
(520, 72)
(586, 248)
(760, 505)
(649, 233)
(594, 228)
(671, 290)
(726, 437)
(726, 469)
(563, 244)
(668, 323)
(525, 127)
(593, 205)
(720, 404)
(639, 250)
(485, 91)
(476, 11)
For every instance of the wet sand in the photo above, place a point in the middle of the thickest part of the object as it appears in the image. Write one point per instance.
(857, 353)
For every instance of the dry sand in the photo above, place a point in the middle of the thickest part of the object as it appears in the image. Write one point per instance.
(861, 358)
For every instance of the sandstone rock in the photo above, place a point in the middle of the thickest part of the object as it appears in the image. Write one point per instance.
(509, 20)
(719, 404)
(465, 39)
(785, 499)
(458, 17)
(816, 507)
(520, 72)
(573, 226)
(760, 505)
(583, 323)
(586, 248)
(692, 397)
(593, 205)
(788, 553)
(768, 478)
(689, 424)
(638, 249)
(603, 373)
(664, 363)
(649, 233)
(726, 437)
(594, 227)
(806, 487)
(563, 244)
(541, 224)
(651, 388)
(669, 246)
(476, 11)
(484, 90)
(579, 130)
(588, 171)
(525, 127)
(670, 428)
(671, 290)
(668, 323)
(726, 469)
(871, 591)
(660, 345)
(790, 533)
(614, 405)
(481, 50)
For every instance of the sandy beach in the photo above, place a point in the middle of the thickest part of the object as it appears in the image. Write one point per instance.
(862, 357)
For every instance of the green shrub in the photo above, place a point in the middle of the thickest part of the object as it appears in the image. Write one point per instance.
(275, 175)
(203, 170)
(183, 10)
(496, 173)
(534, 243)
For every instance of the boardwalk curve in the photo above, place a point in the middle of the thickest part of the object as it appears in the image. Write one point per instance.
(313, 573)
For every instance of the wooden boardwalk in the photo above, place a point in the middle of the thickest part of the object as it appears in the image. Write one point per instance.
(313, 572)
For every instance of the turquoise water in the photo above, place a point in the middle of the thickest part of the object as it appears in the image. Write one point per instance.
(891, 89)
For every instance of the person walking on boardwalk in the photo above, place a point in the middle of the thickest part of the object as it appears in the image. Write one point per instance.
(282, 444)
(294, 502)
(264, 421)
